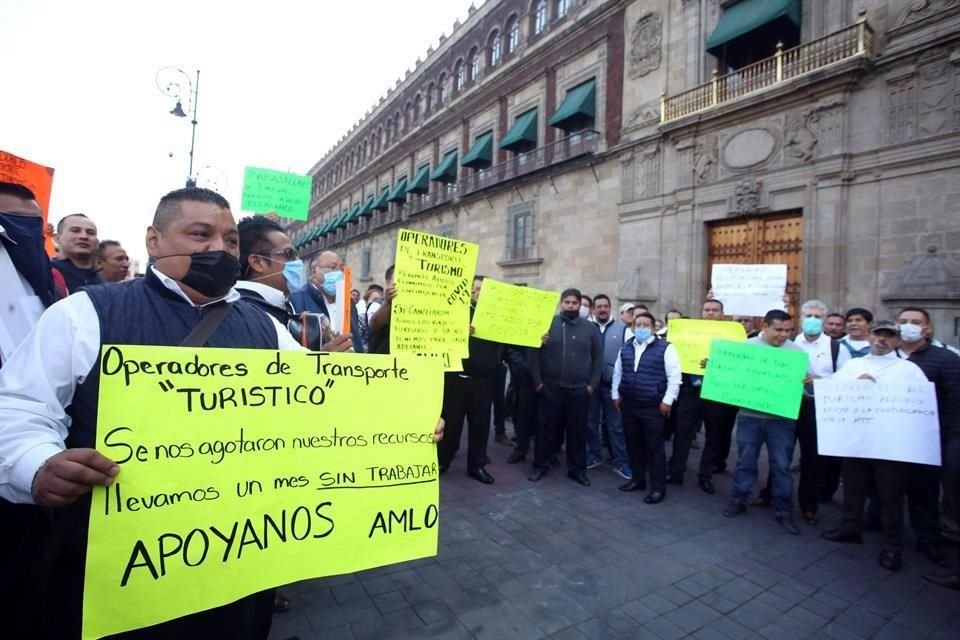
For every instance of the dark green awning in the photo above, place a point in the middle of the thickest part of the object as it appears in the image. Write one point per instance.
(340, 221)
(446, 171)
(523, 134)
(480, 155)
(354, 216)
(578, 109)
(326, 228)
(367, 209)
(380, 204)
(399, 193)
(421, 181)
(749, 15)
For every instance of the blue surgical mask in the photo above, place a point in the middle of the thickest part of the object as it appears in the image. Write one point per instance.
(330, 280)
(293, 274)
(812, 326)
(642, 334)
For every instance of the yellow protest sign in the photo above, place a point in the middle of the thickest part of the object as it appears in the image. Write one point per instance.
(434, 278)
(692, 338)
(243, 470)
(513, 315)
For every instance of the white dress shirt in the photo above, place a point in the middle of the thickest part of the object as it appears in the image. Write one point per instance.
(20, 307)
(271, 296)
(37, 385)
(888, 368)
(821, 358)
(671, 362)
(844, 356)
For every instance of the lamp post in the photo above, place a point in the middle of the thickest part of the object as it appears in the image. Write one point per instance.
(173, 82)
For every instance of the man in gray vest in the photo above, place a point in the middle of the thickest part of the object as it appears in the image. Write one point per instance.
(602, 410)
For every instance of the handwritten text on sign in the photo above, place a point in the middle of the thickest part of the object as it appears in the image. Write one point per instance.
(749, 289)
(754, 376)
(33, 176)
(513, 315)
(692, 339)
(865, 419)
(243, 470)
(269, 191)
(434, 278)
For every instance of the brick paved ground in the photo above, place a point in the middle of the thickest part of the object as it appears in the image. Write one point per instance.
(555, 560)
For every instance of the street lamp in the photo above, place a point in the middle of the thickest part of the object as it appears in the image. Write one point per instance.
(173, 82)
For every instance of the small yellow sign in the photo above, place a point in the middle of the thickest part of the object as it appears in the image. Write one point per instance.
(692, 339)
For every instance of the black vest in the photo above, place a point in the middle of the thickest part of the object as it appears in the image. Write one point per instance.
(645, 386)
(144, 312)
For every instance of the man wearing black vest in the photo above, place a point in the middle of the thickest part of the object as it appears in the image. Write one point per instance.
(646, 381)
(77, 239)
(49, 396)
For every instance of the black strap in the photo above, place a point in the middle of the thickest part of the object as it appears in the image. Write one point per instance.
(207, 325)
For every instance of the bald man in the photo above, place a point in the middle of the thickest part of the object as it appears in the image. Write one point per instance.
(320, 295)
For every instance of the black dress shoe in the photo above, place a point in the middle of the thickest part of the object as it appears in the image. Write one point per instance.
(734, 509)
(947, 581)
(675, 479)
(890, 560)
(633, 485)
(706, 485)
(935, 554)
(655, 497)
(481, 474)
(515, 457)
(839, 535)
(580, 478)
(537, 474)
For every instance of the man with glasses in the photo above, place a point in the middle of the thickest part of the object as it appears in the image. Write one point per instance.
(320, 295)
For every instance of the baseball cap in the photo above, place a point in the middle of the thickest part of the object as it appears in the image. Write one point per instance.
(886, 325)
(626, 306)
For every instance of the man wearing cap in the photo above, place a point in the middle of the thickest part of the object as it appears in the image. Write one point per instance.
(880, 365)
(626, 317)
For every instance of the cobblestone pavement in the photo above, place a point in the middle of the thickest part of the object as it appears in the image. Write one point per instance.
(523, 561)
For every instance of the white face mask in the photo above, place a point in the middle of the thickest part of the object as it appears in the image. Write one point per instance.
(584, 312)
(911, 332)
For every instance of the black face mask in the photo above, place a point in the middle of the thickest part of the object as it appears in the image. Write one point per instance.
(24, 244)
(572, 314)
(211, 273)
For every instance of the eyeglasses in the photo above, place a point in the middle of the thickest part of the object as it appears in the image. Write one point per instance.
(289, 254)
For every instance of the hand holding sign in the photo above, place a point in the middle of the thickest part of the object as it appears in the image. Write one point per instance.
(513, 315)
(269, 191)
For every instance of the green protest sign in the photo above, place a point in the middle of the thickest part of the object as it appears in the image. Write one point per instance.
(755, 376)
(269, 191)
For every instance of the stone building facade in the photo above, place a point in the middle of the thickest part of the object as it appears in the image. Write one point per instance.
(626, 146)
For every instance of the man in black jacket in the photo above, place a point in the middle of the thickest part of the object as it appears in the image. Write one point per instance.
(469, 394)
(320, 295)
(566, 370)
(525, 400)
(77, 239)
(942, 368)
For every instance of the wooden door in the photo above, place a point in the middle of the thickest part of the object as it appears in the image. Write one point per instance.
(769, 239)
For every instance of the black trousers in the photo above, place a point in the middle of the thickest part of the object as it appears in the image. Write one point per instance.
(718, 422)
(499, 403)
(643, 429)
(470, 398)
(951, 469)
(23, 528)
(688, 414)
(524, 410)
(890, 478)
(828, 477)
(923, 502)
(562, 412)
(808, 489)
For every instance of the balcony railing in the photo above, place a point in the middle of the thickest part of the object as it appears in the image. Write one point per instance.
(441, 194)
(851, 42)
(576, 144)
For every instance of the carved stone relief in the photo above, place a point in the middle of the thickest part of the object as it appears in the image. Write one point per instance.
(705, 160)
(800, 135)
(901, 110)
(648, 172)
(627, 178)
(643, 116)
(919, 10)
(830, 127)
(646, 45)
(746, 198)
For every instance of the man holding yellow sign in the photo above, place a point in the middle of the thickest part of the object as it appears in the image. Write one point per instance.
(63, 406)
